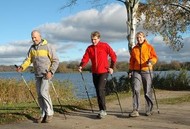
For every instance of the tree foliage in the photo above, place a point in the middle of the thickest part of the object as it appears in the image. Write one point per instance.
(169, 18)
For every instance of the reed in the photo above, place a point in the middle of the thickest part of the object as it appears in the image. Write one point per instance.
(173, 81)
(15, 91)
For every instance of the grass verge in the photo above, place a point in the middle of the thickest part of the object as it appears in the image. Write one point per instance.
(176, 100)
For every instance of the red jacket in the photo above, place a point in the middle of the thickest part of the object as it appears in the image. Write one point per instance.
(98, 54)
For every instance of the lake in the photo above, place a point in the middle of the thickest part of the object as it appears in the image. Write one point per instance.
(75, 78)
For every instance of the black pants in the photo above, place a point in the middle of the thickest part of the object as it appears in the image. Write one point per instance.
(99, 81)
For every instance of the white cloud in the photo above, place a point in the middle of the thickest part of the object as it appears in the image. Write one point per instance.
(111, 22)
(68, 35)
(14, 49)
(123, 54)
(165, 53)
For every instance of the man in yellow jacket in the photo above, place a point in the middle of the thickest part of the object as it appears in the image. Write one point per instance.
(45, 61)
(143, 57)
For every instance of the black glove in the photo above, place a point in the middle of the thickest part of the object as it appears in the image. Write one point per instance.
(130, 73)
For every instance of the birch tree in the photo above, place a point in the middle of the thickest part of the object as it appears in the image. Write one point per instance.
(131, 8)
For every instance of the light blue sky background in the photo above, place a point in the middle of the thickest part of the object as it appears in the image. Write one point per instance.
(69, 30)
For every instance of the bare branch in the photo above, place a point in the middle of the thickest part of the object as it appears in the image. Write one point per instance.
(69, 4)
(183, 7)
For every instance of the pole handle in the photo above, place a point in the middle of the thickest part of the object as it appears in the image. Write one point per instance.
(16, 66)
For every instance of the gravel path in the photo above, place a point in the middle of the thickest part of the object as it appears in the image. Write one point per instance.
(171, 117)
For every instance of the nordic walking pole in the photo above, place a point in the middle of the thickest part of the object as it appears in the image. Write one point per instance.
(153, 90)
(116, 93)
(28, 87)
(57, 97)
(87, 92)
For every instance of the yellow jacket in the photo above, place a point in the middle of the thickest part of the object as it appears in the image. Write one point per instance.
(43, 57)
(141, 55)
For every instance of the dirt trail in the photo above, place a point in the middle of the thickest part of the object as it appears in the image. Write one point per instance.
(171, 117)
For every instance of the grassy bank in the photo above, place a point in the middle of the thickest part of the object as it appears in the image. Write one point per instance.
(16, 103)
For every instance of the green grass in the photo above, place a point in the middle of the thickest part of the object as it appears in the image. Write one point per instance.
(176, 100)
(22, 111)
(17, 112)
(121, 95)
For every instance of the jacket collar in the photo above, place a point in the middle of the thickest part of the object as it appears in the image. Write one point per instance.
(44, 42)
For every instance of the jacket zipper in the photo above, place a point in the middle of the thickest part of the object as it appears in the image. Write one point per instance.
(140, 58)
(96, 58)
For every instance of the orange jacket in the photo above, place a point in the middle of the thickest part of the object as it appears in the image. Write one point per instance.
(141, 55)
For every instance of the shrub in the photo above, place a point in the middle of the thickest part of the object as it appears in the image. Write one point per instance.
(173, 81)
(168, 81)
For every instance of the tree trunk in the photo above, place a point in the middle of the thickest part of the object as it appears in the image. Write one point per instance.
(131, 7)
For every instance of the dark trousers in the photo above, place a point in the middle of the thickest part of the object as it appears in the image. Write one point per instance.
(99, 81)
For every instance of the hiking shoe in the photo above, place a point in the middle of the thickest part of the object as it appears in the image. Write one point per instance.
(48, 119)
(148, 113)
(41, 119)
(134, 114)
(102, 114)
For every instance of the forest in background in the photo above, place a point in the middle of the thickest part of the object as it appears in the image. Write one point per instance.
(120, 66)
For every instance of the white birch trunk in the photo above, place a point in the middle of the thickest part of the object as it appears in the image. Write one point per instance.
(131, 7)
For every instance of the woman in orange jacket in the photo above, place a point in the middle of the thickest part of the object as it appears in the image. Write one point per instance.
(143, 57)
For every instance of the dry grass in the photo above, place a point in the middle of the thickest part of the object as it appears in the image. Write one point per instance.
(14, 91)
(16, 102)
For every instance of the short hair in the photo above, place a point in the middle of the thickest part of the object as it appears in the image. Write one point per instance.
(140, 33)
(95, 34)
(36, 31)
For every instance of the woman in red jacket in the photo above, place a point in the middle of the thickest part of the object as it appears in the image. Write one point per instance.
(143, 57)
(98, 53)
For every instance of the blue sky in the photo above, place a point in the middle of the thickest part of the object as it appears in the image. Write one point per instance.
(69, 30)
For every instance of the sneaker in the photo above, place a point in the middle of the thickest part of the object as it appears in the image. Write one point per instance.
(48, 119)
(102, 114)
(134, 114)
